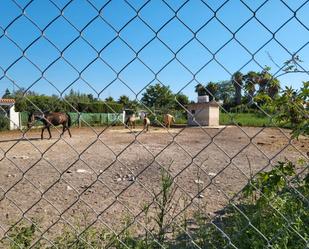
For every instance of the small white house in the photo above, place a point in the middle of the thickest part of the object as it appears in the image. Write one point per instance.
(203, 112)
(13, 115)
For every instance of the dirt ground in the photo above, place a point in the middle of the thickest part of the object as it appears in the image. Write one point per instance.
(103, 175)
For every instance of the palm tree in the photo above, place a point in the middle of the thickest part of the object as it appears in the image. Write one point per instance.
(200, 90)
(264, 79)
(237, 79)
(250, 88)
(251, 79)
(267, 84)
(212, 89)
(273, 88)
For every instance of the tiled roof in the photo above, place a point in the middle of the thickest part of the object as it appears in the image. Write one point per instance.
(7, 101)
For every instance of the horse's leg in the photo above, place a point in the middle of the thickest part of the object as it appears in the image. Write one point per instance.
(133, 124)
(69, 131)
(48, 128)
(42, 132)
(63, 129)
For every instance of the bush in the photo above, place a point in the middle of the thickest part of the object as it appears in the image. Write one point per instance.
(42, 102)
(100, 107)
(4, 123)
(54, 104)
(273, 204)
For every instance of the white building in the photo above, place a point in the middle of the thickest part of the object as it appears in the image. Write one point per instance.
(12, 114)
(203, 112)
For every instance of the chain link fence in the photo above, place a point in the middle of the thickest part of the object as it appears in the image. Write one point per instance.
(187, 187)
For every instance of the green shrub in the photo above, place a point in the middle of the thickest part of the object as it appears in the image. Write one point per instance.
(273, 204)
(42, 102)
(53, 103)
(4, 123)
(21, 236)
(100, 107)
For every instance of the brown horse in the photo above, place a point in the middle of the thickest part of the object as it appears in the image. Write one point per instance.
(168, 120)
(51, 118)
(146, 123)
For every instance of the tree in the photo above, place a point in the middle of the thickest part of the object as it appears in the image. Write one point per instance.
(110, 99)
(251, 79)
(212, 90)
(21, 92)
(237, 79)
(226, 91)
(267, 83)
(134, 104)
(180, 101)
(124, 100)
(292, 108)
(90, 97)
(268, 86)
(263, 80)
(7, 94)
(292, 65)
(273, 88)
(158, 96)
(75, 97)
(200, 89)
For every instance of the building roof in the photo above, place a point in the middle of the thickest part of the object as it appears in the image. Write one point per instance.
(7, 101)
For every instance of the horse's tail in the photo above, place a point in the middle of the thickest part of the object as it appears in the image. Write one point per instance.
(69, 120)
(173, 119)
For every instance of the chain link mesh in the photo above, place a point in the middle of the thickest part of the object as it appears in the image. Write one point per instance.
(107, 179)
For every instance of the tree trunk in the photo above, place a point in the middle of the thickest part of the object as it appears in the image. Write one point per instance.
(250, 97)
(237, 94)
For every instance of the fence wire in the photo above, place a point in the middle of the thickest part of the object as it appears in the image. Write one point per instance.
(168, 188)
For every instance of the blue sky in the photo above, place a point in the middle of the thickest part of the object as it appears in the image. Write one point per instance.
(174, 42)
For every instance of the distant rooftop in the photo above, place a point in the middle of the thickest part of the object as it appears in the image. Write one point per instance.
(7, 101)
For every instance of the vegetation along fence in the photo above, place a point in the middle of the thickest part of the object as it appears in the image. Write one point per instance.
(243, 184)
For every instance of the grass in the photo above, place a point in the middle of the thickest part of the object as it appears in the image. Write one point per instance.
(246, 119)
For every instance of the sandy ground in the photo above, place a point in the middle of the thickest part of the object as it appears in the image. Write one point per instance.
(103, 175)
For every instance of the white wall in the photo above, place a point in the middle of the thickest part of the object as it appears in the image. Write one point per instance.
(14, 118)
(205, 115)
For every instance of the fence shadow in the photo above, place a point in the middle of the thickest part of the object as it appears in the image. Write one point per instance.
(19, 139)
